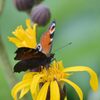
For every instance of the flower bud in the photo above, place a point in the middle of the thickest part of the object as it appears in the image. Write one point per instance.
(37, 1)
(24, 5)
(40, 15)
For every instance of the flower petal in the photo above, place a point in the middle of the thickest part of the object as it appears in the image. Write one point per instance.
(28, 23)
(43, 92)
(93, 79)
(24, 91)
(54, 64)
(35, 84)
(77, 89)
(15, 41)
(25, 37)
(65, 98)
(19, 87)
(61, 67)
(28, 75)
(54, 91)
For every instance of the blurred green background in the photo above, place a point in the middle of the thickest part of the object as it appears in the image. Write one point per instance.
(78, 21)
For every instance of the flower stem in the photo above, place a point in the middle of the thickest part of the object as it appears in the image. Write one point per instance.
(9, 75)
(2, 3)
(6, 66)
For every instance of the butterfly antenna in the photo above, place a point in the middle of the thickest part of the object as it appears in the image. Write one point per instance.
(62, 47)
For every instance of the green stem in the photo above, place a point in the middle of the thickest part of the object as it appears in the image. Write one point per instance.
(2, 3)
(9, 75)
(11, 78)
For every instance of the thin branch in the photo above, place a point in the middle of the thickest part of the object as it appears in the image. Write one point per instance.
(2, 3)
(9, 75)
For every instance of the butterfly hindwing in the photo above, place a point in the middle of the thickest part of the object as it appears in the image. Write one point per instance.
(32, 63)
(24, 65)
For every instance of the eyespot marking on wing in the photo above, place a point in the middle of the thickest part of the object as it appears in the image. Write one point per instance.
(52, 27)
(39, 47)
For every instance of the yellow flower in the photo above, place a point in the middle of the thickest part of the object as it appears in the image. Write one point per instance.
(50, 81)
(25, 37)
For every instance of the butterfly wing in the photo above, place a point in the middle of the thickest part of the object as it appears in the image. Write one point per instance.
(30, 64)
(25, 65)
(29, 59)
(33, 58)
(47, 39)
(24, 53)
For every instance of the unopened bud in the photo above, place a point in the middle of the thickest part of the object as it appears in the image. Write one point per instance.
(25, 5)
(37, 1)
(40, 15)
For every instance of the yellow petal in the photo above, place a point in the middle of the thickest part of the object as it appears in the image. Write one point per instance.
(54, 64)
(35, 84)
(34, 96)
(25, 37)
(61, 67)
(54, 91)
(43, 92)
(93, 75)
(15, 41)
(18, 87)
(77, 89)
(34, 28)
(24, 91)
(65, 98)
(28, 75)
(28, 23)
(21, 34)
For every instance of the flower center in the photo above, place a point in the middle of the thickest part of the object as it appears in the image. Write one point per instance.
(52, 73)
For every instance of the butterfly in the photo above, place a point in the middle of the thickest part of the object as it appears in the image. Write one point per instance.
(31, 58)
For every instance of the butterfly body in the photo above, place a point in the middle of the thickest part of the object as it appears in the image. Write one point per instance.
(30, 58)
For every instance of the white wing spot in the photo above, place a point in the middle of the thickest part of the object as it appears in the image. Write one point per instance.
(39, 47)
(51, 40)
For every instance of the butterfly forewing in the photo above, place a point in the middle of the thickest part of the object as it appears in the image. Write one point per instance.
(47, 39)
(30, 64)
(28, 53)
(24, 53)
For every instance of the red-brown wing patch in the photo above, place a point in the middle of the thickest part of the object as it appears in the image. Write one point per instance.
(45, 42)
(47, 39)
